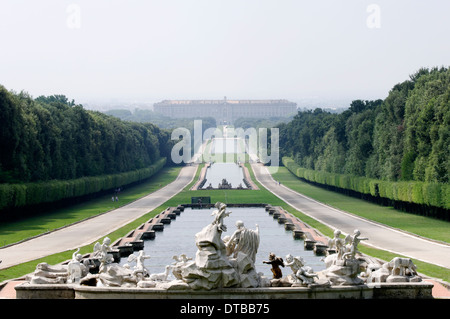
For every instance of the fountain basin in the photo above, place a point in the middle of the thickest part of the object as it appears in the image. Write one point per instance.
(419, 290)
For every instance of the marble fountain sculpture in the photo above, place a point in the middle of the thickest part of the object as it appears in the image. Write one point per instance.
(228, 262)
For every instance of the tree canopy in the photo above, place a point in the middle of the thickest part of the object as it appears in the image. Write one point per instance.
(50, 138)
(404, 137)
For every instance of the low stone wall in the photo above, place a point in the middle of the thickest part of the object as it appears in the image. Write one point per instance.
(313, 240)
(134, 240)
(418, 290)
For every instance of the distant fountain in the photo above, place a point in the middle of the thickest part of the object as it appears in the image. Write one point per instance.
(225, 184)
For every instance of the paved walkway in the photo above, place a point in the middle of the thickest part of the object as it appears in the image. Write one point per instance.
(93, 229)
(380, 236)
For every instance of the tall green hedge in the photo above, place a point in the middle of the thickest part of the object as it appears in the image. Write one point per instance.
(19, 195)
(423, 193)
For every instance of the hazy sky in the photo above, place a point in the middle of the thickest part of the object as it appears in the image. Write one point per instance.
(195, 49)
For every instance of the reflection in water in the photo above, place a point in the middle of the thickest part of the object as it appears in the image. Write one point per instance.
(179, 237)
(232, 172)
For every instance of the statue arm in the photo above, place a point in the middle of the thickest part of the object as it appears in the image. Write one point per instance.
(75, 253)
(232, 238)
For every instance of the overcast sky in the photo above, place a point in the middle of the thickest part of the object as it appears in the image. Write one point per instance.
(208, 49)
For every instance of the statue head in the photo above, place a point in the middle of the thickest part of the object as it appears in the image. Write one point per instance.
(289, 258)
(337, 233)
(183, 257)
(43, 265)
(239, 224)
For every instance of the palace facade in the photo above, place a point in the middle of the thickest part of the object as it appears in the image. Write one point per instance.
(225, 111)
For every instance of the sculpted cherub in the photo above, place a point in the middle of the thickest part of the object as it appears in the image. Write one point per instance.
(220, 214)
(276, 262)
(352, 248)
(301, 273)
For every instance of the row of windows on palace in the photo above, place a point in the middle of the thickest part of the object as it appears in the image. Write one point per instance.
(192, 111)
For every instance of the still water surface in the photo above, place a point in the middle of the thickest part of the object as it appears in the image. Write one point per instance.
(178, 237)
(232, 172)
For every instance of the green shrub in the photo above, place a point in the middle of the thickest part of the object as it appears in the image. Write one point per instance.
(19, 195)
(432, 194)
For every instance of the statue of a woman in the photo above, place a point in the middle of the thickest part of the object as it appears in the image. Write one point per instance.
(244, 240)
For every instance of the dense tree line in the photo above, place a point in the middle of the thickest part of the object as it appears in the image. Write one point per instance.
(268, 123)
(168, 123)
(404, 137)
(165, 122)
(52, 138)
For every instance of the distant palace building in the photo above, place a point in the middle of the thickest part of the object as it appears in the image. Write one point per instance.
(225, 111)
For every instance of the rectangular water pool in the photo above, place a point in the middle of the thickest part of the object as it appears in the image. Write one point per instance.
(178, 238)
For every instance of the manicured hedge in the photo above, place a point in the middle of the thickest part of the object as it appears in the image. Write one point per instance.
(423, 193)
(19, 195)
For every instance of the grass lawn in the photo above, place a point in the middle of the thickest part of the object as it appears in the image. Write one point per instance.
(419, 225)
(19, 230)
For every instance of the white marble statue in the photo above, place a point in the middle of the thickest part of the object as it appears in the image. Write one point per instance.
(344, 267)
(77, 269)
(161, 276)
(211, 267)
(114, 275)
(337, 243)
(102, 252)
(401, 266)
(219, 214)
(300, 273)
(397, 270)
(139, 270)
(46, 274)
(180, 261)
(222, 263)
(352, 246)
(244, 240)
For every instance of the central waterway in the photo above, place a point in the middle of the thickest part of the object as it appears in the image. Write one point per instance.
(232, 172)
(178, 237)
